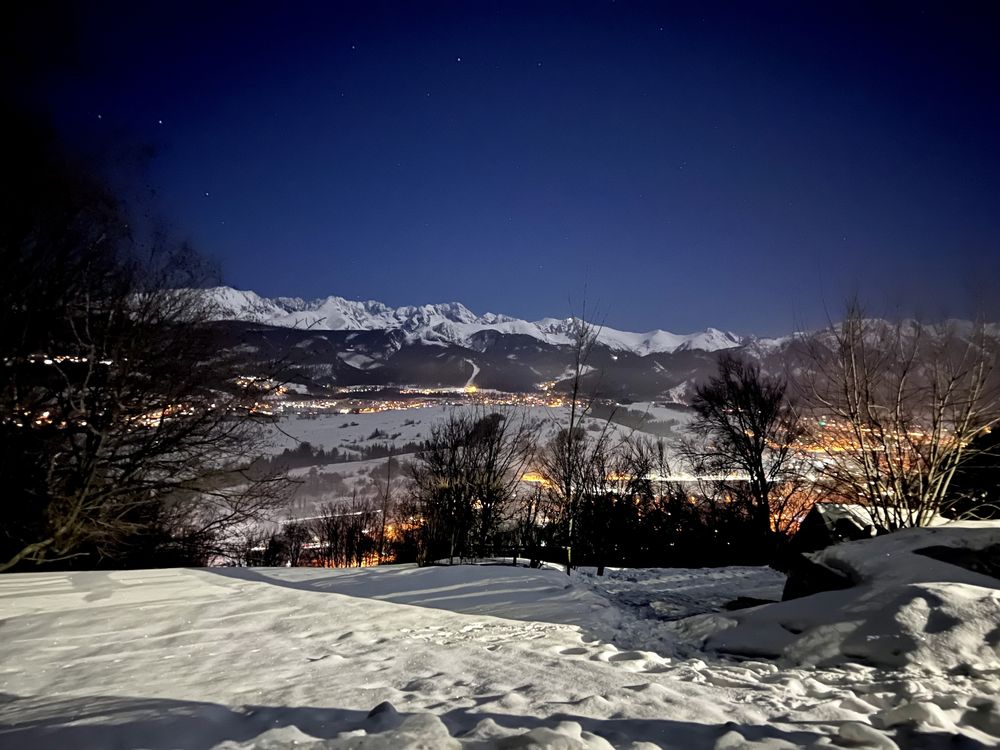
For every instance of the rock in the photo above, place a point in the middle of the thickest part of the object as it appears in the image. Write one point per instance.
(985, 560)
(806, 577)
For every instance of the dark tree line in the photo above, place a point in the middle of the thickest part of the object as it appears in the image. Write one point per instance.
(632, 509)
(350, 534)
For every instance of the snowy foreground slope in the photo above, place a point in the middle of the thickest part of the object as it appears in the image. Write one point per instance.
(502, 657)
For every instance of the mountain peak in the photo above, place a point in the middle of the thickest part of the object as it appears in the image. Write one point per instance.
(442, 323)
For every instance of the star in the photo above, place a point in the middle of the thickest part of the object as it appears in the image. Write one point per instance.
(160, 122)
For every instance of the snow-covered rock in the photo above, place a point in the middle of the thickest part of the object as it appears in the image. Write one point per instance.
(908, 611)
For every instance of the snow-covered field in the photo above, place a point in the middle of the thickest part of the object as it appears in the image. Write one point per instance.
(504, 657)
(351, 433)
(346, 431)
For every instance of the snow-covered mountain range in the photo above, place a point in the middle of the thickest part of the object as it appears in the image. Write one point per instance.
(448, 323)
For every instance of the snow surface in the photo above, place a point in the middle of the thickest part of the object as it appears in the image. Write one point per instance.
(482, 656)
(451, 322)
(908, 610)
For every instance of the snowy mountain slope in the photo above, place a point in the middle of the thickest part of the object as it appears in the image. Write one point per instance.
(449, 323)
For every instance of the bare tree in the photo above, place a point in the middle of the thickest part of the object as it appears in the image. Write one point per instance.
(385, 497)
(568, 461)
(296, 536)
(124, 431)
(246, 544)
(896, 409)
(746, 433)
(530, 516)
(443, 494)
(617, 492)
(465, 480)
(500, 446)
(329, 530)
(348, 533)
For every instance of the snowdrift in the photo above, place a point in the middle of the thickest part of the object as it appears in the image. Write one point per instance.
(908, 611)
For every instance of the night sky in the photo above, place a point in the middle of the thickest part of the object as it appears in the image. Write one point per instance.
(738, 165)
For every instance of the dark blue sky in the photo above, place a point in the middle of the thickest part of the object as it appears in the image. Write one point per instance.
(740, 165)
